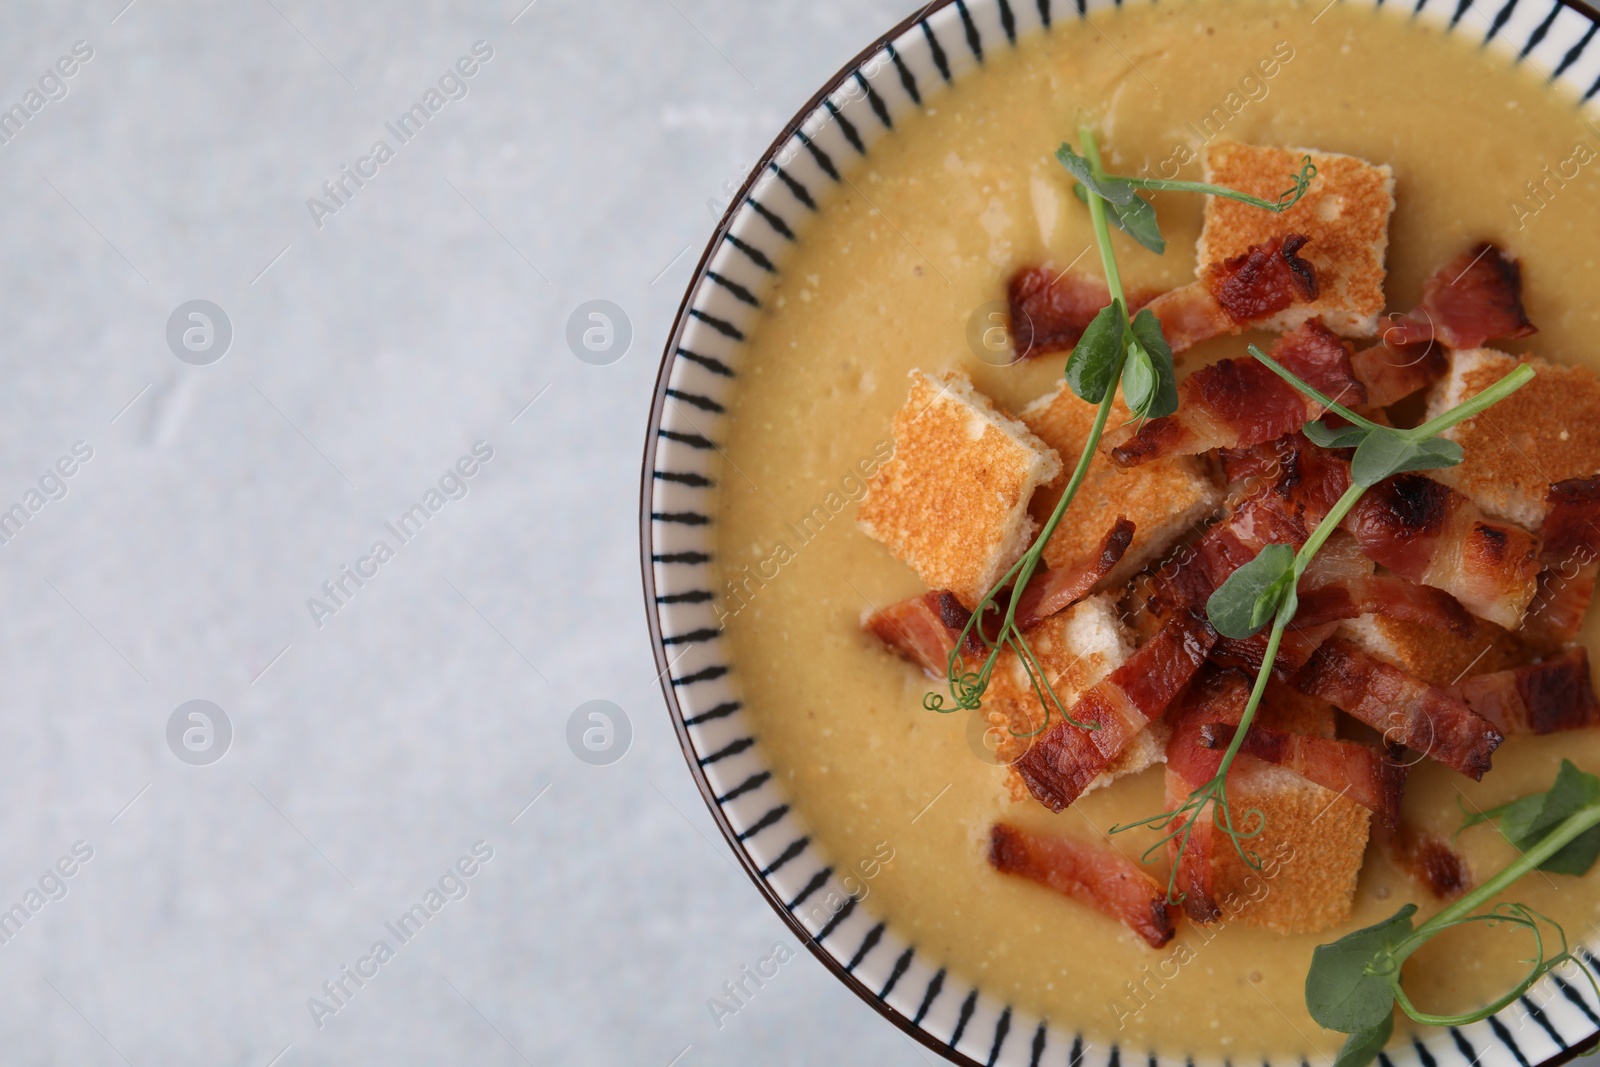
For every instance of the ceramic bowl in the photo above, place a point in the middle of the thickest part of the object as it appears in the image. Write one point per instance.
(901, 71)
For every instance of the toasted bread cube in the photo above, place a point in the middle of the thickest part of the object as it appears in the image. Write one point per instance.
(1164, 499)
(1547, 431)
(952, 502)
(1311, 846)
(1076, 649)
(1436, 656)
(1345, 212)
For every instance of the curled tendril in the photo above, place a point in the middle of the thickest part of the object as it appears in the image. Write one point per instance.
(1519, 916)
(1302, 181)
(1179, 824)
(967, 687)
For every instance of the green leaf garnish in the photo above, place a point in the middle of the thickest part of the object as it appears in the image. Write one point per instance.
(1252, 594)
(1136, 218)
(1361, 1048)
(1138, 379)
(1382, 455)
(1118, 191)
(1163, 398)
(1327, 436)
(1525, 820)
(1092, 368)
(1383, 451)
(1347, 987)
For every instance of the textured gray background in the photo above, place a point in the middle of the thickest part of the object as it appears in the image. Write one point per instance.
(374, 751)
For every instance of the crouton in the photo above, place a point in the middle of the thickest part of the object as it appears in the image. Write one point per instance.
(1311, 845)
(1077, 648)
(1164, 499)
(1310, 841)
(952, 502)
(1345, 212)
(1547, 431)
(1438, 657)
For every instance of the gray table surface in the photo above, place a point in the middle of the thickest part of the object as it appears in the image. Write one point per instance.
(368, 354)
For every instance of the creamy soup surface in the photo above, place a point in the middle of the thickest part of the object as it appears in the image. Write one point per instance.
(886, 278)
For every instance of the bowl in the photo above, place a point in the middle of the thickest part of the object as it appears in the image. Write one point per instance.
(902, 70)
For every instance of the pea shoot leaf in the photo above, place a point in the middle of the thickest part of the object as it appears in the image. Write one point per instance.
(1163, 399)
(1335, 437)
(1248, 599)
(1092, 367)
(1341, 992)
(1138, 380)
(1526, 820)
(1136, 218)
(1118, 191)
(1362, 1048)
(1385, 452)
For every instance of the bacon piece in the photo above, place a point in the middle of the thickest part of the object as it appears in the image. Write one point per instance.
(1066, 758)
(924, 630)
(1263, 281)
(1232, 295)
(1425, 531)
(1298, 644)
(1393, 371)
(1391, 597)
(1094, 875)
(1347, 767)
(1050, 591)
(1571, 560)
(1540, 698)
(1427, 858)
(1050, 311)
(1290, 486)
(1474, 299)
(1237, 403)
(1421, 716)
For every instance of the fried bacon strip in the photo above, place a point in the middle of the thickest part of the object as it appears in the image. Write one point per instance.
(1425, 531)
(924, 630)
(1473, 299)
(1420, 529)
(1540, 698)
(1094, 875)
(1237, 403)
(1391, 597)
(1363, 773)
(1066, 758)
(1570, 557)
(1427, 858)
(1420, 716)
(1050, 311)
(1232, 295)
(1050, 591)
(1392, 371)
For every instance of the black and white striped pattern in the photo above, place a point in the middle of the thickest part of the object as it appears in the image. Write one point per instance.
(907, 70)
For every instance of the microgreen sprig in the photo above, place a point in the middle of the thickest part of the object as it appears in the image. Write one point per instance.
(1355, 982)
(1132, 213)
(1116, 350)
(1099, 363)
(1265, 588)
